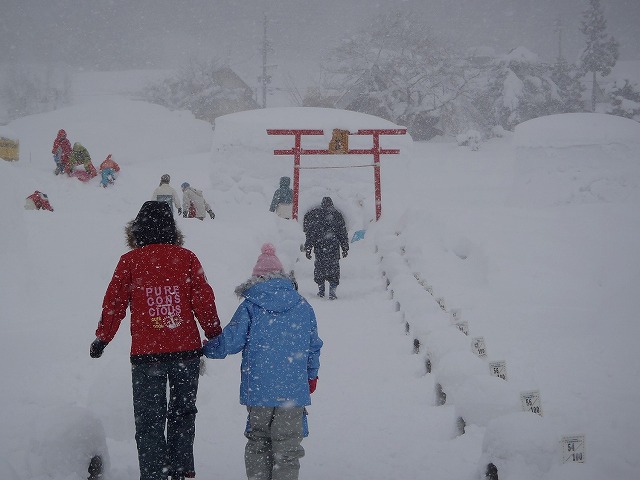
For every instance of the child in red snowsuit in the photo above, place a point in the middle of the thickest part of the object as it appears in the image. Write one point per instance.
(38, 201)
(61, 151)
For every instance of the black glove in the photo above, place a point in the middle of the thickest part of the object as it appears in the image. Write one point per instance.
(97, 347)
(345, 253)
(211, 214)
(308, 254)
(180, 211)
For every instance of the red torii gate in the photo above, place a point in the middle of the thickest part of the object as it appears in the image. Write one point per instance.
(297, 151)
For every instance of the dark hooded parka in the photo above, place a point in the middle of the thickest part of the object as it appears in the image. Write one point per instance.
(326, 234)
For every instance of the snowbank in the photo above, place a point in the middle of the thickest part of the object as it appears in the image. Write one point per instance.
(576, 130)
(143, 131)
(576, 158)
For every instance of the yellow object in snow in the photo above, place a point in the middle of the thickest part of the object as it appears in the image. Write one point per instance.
(9, 149)
(339, 141)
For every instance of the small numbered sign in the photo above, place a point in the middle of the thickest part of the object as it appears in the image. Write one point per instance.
(573, 449)
(455, 315)
(478, 347)
(463, 327)
(531, 402)
(498, 369)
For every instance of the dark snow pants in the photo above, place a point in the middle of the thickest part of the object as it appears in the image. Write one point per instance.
(327, 264)
(160, 456)
(273, 449)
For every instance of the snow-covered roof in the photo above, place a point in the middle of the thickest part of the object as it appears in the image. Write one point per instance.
(521, 54)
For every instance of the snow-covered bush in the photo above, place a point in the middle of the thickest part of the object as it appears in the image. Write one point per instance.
(625, 101)
(471, 139)
(498, 131)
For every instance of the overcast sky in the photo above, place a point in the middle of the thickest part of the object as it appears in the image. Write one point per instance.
(111, 34)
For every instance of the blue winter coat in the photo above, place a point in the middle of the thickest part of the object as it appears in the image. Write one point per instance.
(284, 194)
(276, 330)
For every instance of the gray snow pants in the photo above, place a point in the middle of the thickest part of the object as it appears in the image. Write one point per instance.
(273, 449)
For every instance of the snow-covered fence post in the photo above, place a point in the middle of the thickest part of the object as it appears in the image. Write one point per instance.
(441, 396)
(491, 472)
(95, 468)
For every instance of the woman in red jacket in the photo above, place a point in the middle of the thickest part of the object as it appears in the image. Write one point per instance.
(166, 290)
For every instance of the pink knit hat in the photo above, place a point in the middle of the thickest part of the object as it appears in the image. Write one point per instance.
(267, 261)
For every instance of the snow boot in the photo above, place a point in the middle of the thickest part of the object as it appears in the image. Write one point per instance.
(332, 293)
(321, 290)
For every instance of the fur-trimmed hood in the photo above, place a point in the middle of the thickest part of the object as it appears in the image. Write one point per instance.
(275, 292)
(153, 224)
(131, 239)
(254, 280)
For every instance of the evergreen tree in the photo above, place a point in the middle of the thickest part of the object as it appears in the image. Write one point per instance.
(601, 52)
(569, 87)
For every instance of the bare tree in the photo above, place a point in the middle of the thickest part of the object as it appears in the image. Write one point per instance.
(396, 70)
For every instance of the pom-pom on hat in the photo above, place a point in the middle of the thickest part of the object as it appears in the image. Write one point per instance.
(267, 262)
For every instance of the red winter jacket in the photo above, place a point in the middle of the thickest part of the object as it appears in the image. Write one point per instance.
(40, 200)
(164, 285)
(64, 144)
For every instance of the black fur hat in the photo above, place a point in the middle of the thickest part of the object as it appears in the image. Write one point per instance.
(153, 224)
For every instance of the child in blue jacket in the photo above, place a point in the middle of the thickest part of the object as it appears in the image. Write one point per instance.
(275, 329)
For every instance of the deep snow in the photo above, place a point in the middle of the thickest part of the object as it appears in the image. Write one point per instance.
(532, 240)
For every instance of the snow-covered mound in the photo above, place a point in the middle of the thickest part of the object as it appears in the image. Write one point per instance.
(576, 130)
(249, 129)
(140, 132)
(576, 158)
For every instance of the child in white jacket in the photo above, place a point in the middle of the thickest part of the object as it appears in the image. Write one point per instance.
(193, 203)
(165, 193)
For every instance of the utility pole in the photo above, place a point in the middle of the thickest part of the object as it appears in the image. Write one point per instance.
(265, 78)
(559, 26)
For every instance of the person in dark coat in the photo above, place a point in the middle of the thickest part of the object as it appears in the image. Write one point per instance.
(282, 202)
(326, 234)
